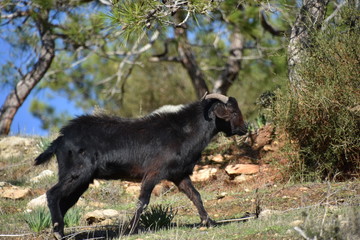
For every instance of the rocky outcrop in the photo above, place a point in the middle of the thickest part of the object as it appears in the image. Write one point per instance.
(239, 169)
(102, 217)
(13, 192)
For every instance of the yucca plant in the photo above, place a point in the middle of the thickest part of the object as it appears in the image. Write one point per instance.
(157, 217)
(39, 219)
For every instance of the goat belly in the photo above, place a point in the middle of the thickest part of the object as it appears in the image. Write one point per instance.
(116, 170)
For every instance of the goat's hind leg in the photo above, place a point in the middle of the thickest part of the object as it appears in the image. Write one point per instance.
(147, 186)
(185, 185)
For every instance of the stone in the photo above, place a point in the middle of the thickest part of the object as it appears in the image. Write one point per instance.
(103, 217)
(202, 175)
(242, 178)
(43, 174)
(267, 213)
(296, 223)
(239, 169)
(133, 189)
(96, 184)
(40, 201)
(218, 158)
(14, 192)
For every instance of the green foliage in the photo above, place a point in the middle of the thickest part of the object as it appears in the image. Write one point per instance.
(72, 217)
(323, 116)
(39, 219)
(157, 217)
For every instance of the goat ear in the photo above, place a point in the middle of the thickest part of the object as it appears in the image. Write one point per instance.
(222, 112)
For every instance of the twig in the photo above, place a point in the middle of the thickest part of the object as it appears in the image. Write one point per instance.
(236, 219)
(302, 233)
(332, 15)
(15, 235)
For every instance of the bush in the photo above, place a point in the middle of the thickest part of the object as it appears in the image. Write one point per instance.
(323, 118)
(157, 217)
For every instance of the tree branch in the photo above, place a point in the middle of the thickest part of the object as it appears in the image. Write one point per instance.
(233, 64)
(332, 15)
(266, 25)
(16, 98)
(16, 14)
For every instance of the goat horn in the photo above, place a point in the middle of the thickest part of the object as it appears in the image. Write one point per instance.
(217, 96)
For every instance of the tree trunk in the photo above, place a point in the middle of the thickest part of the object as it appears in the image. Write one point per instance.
(17, 97)
(188, 60)
(309, 19)
(233, 65)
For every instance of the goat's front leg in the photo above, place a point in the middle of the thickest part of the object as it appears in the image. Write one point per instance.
(147, 186)
(186, 186)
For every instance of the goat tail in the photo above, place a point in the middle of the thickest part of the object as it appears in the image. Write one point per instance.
(49, 152)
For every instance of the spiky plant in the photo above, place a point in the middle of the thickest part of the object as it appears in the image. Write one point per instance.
(157, 217)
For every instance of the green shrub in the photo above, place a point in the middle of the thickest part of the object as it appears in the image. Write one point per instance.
(157, 217)
(323, 117)
(39, 219)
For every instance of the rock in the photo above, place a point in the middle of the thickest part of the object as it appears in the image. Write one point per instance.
(239, 169)
(202, 175)
(96, 184)
(103, 217)
(133, 190)
(15, 146)
(43, 174)
(267, 213)
(242, 178)
(268, 148)
(13, 192)
(41, 201)
(162, 188)
(296, 223)
(218, 158)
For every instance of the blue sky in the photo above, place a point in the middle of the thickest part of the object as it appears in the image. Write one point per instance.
(24, 122)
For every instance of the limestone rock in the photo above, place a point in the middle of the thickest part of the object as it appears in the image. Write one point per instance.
(14, 192)
(40, 201)
(133, 189)
(217, 158)
(242, 178)
(268, 212)
(239, 169)
(102, 217)
(202, 175)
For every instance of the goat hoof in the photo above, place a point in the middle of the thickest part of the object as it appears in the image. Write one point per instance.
(208, 223)
(57, 236)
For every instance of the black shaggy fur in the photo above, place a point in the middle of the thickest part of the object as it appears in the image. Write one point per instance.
(149, 149)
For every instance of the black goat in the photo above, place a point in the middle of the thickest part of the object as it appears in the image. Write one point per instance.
(160, 146)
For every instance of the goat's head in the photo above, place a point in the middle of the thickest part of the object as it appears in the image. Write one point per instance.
(228, 115)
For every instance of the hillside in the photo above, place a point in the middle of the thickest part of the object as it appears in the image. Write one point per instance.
(237, 178)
